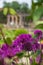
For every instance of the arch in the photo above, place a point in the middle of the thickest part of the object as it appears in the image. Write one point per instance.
(14, 19)
(10, 18)
(18, 19)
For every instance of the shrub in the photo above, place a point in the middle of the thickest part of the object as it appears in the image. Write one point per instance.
(20, 31)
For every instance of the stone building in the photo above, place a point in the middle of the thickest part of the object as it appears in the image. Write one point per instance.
(16, 20)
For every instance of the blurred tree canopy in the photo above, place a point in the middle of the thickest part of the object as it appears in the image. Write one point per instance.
(9, 11)
(13, 7)
(35, 12)
(17, 7)
(40, 1)
(2, 17)
(24, 8)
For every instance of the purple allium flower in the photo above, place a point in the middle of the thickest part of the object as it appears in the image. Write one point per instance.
(35, 47)
(2, 54)
(16, 50)
(23, 41)
(27, 46)
(10, 51)
(38, 34)
(7, 50)
(23, 38)
(33, 40)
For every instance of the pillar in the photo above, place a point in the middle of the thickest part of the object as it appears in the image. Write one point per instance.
(20, 21)
(16, 22)
(8, 19)
(12, 20)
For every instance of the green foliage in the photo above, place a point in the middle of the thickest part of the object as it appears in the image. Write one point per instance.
(1, 42)
(20, 55)
(6, 4)
(5, 11)
(37, 13)
(39, 26)
(2, 17)
(1, 26)
(17, 7)
(20, 31)
(34, 63)
(9, 10)
(24, 8)
(28, 18)
(12, 11)
(40, 1)
(8, 41)
(9, 33)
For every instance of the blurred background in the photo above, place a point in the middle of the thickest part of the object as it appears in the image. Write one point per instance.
(19, 17)
(20, 14)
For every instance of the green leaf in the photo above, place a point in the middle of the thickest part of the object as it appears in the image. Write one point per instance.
(9, 10)
(38, 52)
(39, 26)
(20, 31)
(20, 55)
(34, 63)
(9, 41)
(1, 42)
(37, 13)
(5, 10)
(12, 11)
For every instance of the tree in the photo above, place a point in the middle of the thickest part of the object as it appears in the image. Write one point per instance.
(37, 9)
(15, 5)
(6, 4)
(40, 1)
(39, 25)
(2, 17)
(24, 8)
(8, 9)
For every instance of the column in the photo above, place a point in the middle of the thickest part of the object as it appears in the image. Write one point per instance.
(20, 20)
(8, 19)
(12, 18)
(16, 22)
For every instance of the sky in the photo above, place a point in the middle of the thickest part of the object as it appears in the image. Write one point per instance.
(20, 1)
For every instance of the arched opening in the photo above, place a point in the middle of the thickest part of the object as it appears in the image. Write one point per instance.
(14, 19)
(10, 19)
(18, 19)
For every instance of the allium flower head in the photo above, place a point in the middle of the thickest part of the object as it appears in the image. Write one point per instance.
(27, 46)
(35, 47)
(23, 41)
(2, 54)
(10, 51)
(35, 44)
(23, 38)
(38, 34)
